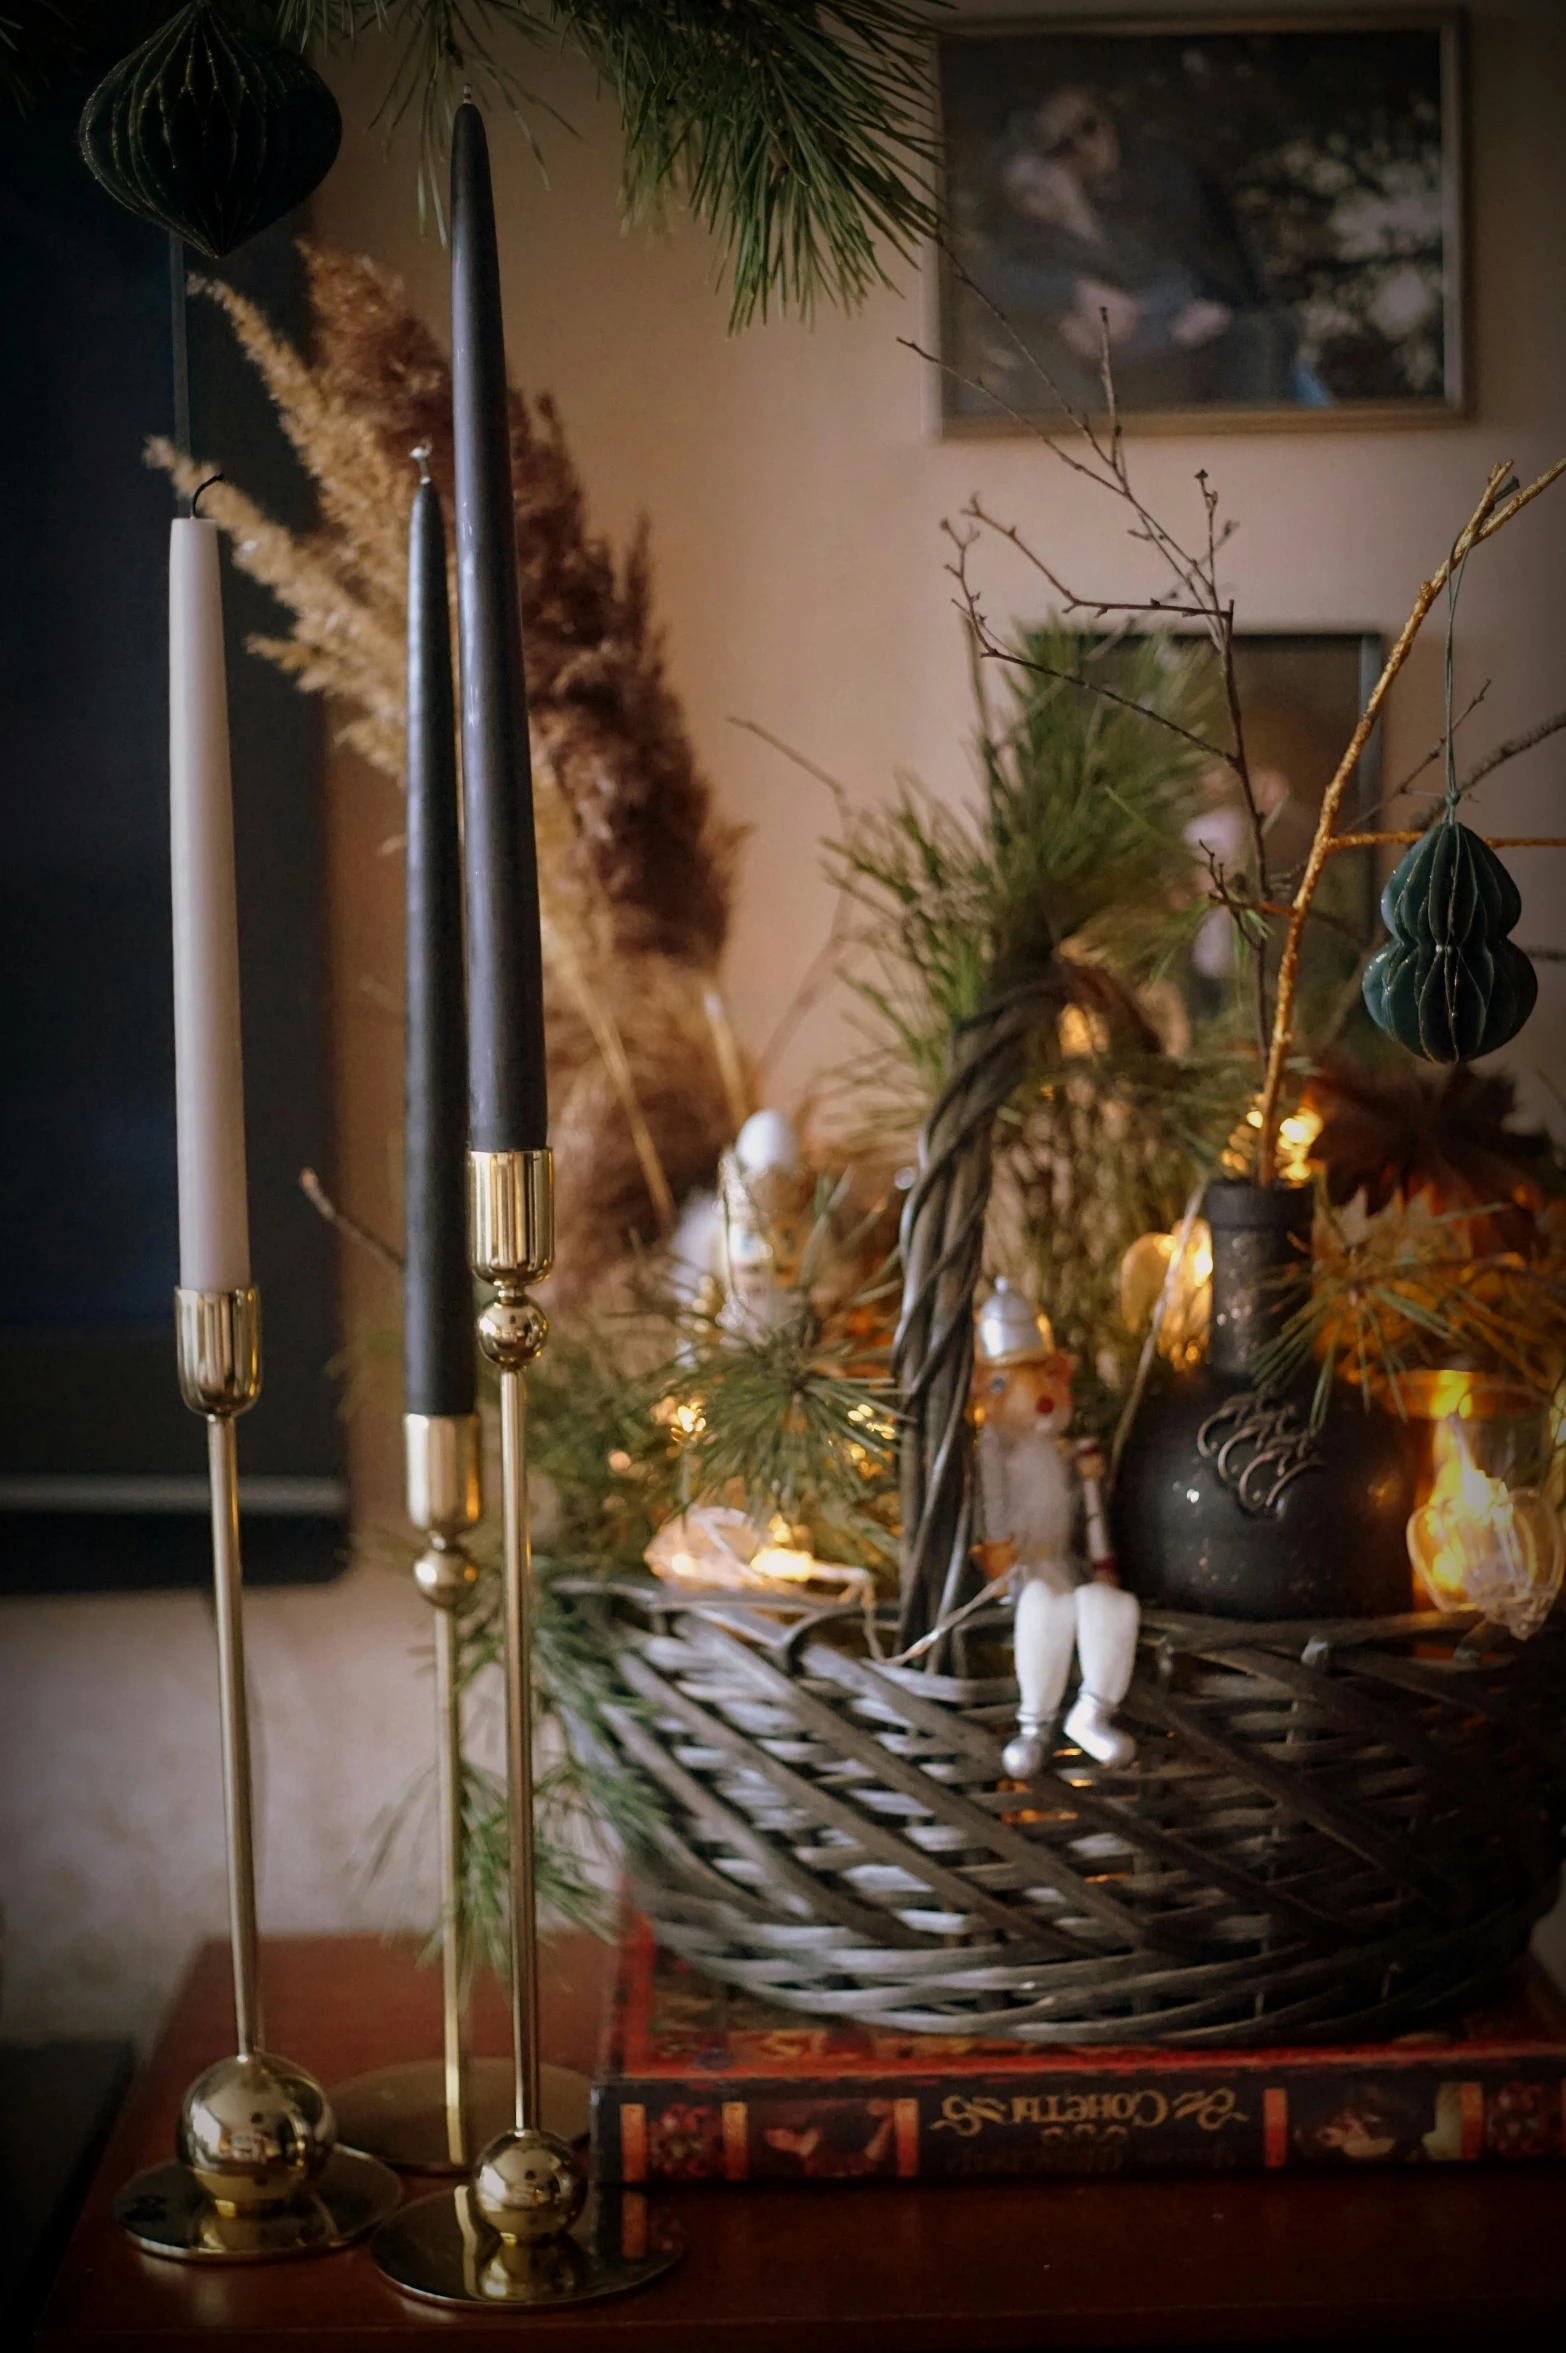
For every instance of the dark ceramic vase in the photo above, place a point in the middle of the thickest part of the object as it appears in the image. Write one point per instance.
(1225, 1501)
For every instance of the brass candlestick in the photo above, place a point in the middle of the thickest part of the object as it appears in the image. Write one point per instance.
(260, 2174)
(522, 2231)
(428, 2115)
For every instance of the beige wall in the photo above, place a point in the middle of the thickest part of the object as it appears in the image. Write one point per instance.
(796, 500)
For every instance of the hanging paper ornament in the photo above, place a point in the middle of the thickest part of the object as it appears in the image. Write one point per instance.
(209, 130)
(1449, 983)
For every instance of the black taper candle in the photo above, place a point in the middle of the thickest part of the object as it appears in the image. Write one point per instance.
(505, 959)
(438, 1343)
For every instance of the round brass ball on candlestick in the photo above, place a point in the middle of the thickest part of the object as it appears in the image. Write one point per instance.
(527, 2189)
(444, 1575)
(512, 1331)
(255, 2132)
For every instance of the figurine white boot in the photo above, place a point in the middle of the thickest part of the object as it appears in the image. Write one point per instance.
(1092, 1726)
(1044, 1639)
(1106, 1622)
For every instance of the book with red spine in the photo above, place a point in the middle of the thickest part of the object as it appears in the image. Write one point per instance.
(701, 2082)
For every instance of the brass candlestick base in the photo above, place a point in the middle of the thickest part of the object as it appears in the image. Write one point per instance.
(521, 2231)
(401, 2115)
(441, 2250)
(259, 2174)
(167, 2212)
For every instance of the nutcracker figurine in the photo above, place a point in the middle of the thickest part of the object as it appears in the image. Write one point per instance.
(1035, 1485)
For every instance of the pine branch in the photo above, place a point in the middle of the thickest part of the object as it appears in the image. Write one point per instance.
(797, 133)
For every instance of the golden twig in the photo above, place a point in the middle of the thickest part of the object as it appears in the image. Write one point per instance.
(1488, 517)
(1497, 841)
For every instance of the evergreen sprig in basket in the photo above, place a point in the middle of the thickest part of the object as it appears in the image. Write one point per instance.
(1331, 1829)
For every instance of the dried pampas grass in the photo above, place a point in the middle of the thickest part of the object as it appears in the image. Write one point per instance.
(635, 866)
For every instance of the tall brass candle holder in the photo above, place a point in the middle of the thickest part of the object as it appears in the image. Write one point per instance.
(432, 2115)
(523, 2231)
(259, 2174)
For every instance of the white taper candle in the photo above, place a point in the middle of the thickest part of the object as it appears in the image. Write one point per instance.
(214, 1224)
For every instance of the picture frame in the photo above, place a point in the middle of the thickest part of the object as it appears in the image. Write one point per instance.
(1265, 213)
(1302, 691)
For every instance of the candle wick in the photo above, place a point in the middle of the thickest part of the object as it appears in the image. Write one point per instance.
(421, 458)
(195, 503)
(467, 93)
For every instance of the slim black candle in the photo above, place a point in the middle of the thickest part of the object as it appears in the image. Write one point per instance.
(505, 961)
(437, 1287)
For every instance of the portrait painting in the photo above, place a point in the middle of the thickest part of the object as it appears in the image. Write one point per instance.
(1256, 225)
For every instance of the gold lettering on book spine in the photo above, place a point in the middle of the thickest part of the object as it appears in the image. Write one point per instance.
(1087, 2114)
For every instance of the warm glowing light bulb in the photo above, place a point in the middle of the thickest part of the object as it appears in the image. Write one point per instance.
(1296, 1135)
(1187, 1294)
(784, 1564)
(1478, 1544)
(1081, 1032)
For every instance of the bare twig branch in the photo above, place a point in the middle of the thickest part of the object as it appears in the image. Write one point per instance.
(824, 965)
(726, 1052)
(1099, 607)
(995, 649)
(1430, 758)
(819, 975)
(321, 1201)
(1509, 751)
(838, 790)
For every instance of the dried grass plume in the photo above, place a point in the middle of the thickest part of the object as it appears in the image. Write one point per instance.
(635, 866)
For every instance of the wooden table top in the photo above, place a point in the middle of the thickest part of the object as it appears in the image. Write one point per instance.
(1472, 2253)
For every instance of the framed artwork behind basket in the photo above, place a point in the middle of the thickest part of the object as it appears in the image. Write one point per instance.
(1302, 692)
(1263, 214)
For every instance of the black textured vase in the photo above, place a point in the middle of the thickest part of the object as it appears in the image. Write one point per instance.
(1226, 1501)
(210, 130)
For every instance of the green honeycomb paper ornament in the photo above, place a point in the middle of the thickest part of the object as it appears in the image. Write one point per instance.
(1449, 983)
(210, 130)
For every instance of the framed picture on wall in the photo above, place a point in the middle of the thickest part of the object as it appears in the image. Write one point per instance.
(1302, 692)
(1265, 216)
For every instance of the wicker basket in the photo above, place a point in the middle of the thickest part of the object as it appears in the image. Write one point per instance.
(1330, 1829)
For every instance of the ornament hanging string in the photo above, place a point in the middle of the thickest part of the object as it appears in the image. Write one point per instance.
(180, 350)
(1456, 564)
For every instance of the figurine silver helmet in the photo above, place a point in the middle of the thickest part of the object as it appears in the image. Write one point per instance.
(1008, 1332)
